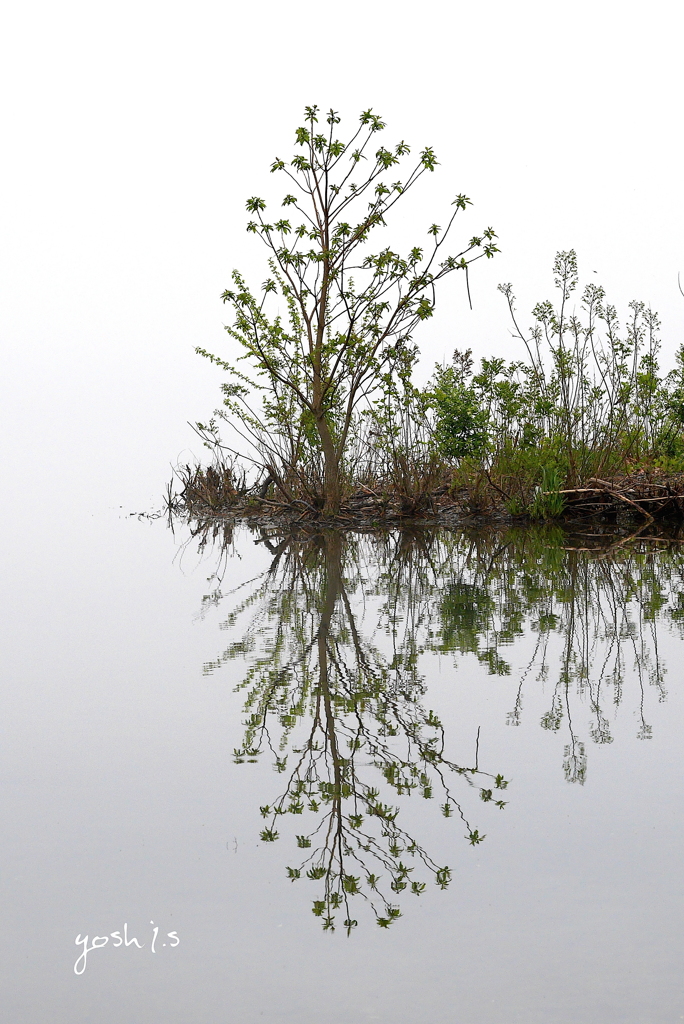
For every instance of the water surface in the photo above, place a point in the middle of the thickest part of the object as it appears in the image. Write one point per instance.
(409, 777)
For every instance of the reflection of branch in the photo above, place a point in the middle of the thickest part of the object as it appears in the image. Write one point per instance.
(610, 585)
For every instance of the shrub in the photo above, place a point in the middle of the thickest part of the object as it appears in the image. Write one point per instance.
(461, 421)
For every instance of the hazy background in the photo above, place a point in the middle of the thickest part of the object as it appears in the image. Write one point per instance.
(133, 132)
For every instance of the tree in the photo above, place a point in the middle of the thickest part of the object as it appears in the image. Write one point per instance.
(335, 323)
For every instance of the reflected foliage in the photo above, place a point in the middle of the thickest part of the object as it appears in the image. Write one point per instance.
(592, 617)
(338, 636)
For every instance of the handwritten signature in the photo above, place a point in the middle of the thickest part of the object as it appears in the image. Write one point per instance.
(102, 940)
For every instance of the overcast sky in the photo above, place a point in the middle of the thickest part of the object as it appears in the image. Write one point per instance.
(133, 132)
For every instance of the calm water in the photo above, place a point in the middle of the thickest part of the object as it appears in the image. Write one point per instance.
(413, 778)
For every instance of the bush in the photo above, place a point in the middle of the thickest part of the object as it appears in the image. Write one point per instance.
(461, 423)
(589, 400)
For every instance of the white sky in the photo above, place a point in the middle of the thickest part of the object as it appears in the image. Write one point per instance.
(133, 132)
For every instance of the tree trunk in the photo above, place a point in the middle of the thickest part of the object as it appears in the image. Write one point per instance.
(331, 464)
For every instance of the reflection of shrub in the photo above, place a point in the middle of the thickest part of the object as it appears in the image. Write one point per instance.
(464, 610)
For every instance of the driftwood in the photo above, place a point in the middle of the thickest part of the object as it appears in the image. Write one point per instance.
(637, 492)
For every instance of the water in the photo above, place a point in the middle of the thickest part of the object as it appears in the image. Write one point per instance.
(402, 688)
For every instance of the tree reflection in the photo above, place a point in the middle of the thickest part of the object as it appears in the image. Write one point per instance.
(336, 637)
(345, 723)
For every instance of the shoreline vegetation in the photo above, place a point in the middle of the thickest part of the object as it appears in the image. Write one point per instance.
(323, 426)
(623, 507)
